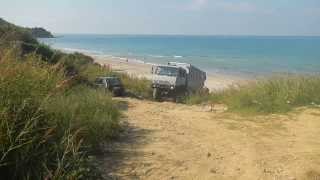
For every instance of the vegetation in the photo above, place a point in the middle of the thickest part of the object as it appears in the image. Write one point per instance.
(76, 65)
(43, 135)
(274, 95)
(36, 32)
(87, 109)
(39, 32)
(140, 87)
(87, 71)
(51, 120)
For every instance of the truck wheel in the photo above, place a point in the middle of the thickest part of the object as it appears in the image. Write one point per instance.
(155, 94)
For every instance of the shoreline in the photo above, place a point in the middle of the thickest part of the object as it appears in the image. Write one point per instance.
(214, 82)
(138, 68)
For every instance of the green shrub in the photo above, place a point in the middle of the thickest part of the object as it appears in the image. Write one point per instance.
(87, 109)
(48, 124)
(138, 86)
(44, 125)
(92, 71)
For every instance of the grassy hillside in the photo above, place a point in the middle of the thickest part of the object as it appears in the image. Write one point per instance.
(51, 120)
(76, 65)
(14, 36)
(37, 32)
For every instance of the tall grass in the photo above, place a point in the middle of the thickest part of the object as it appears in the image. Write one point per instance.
(47, 128)
(274, 95)
(90, 110)
(50, 118)
(140, 87)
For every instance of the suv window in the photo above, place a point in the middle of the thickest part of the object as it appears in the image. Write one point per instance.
(99, 81)
(114, 81)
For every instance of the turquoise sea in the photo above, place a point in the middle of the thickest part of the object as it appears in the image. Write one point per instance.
(240, 55)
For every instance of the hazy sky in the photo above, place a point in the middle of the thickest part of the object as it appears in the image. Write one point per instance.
(203, 17)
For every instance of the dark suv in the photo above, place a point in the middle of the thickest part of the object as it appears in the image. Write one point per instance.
(112, 84)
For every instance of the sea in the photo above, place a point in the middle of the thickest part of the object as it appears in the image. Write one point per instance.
(249, 56)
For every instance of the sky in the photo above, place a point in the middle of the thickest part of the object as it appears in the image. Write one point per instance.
(187, 17)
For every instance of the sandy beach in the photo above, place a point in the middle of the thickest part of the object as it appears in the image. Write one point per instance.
(214, 81)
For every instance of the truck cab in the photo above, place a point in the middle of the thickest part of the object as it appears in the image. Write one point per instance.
(168, 80)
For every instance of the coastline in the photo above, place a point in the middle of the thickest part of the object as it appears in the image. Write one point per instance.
(134, 67)
(230, 58)
(214, 82)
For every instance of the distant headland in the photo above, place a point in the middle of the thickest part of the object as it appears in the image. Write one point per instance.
(36, 32)
(39, 32)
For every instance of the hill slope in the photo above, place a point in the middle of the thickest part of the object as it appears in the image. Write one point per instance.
(51, 121)
(7, 28)
(39, 32)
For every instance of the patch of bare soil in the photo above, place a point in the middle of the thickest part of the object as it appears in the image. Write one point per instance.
(174, 141)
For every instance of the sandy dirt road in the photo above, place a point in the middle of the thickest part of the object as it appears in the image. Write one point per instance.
(170, 141)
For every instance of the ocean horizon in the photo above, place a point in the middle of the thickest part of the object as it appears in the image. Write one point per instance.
(229, 54)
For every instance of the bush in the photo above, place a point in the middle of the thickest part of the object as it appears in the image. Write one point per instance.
(48, 126)
(44, 125)
(138, 86)
(87, 109)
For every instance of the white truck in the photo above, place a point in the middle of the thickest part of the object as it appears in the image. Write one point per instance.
(176, 79)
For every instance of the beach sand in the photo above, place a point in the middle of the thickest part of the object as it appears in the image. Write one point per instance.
(214, 82)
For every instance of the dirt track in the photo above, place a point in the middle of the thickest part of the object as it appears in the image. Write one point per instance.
(170, 141)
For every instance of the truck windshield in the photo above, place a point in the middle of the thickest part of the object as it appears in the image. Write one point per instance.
(167, 71)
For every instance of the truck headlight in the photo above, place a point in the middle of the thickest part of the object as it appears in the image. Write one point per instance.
(171, 87)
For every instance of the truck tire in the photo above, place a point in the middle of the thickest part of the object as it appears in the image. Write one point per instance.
(155, 94)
